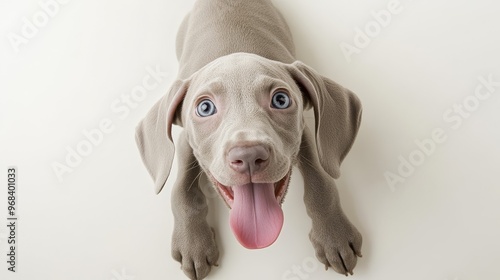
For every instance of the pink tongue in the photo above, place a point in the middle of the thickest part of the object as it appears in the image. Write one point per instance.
(256, 217)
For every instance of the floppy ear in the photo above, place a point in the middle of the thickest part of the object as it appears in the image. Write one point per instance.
(337, 113)
(153, 134)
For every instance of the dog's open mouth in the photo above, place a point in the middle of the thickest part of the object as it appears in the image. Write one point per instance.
(256, 217)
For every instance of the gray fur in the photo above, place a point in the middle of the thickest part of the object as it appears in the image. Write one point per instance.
(234, 51)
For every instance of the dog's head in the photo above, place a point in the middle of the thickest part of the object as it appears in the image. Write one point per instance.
(243, 118)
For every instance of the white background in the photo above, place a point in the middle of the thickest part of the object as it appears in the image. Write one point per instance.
(103, 220)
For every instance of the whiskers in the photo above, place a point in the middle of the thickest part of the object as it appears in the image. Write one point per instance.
(195, 179)
(304, 160)
(190, 167)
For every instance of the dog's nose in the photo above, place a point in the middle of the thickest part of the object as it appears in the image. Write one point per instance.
(248, 159)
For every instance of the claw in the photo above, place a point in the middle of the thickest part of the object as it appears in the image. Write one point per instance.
(343, 264)
(354, 250)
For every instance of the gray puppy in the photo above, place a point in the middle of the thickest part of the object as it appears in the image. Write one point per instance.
(240, 96)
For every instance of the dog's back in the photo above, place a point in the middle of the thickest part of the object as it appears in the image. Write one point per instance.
(216, 28)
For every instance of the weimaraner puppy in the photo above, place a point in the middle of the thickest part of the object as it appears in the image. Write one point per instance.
(240, 97)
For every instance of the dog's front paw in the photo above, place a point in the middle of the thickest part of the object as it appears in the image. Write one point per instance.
(337, 243)
(195, 249)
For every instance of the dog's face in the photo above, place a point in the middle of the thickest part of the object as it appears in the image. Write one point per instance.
(243, 119)
(240, 102)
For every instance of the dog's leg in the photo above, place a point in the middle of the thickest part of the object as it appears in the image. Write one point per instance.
(336, 241)
(193, 242)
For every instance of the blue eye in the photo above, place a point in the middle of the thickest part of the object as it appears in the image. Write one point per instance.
(281, 100)
(206, 108)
